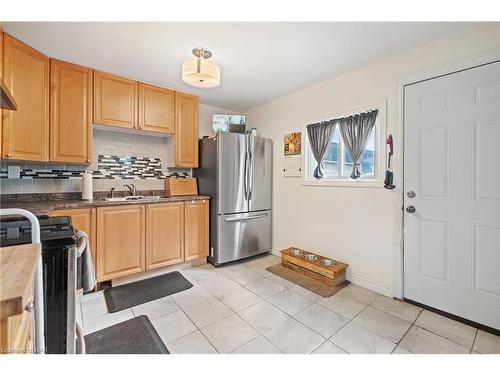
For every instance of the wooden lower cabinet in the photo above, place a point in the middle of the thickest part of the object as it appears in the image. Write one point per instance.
(136, 238)
(83, 219)
(16, 334)
(196, 242)
(120, 241)
(164, 234)
(16, 331)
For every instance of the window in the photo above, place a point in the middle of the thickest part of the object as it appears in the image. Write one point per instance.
(337, 165)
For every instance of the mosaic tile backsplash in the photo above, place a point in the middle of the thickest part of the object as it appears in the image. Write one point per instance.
(128, 167)
(110, 167)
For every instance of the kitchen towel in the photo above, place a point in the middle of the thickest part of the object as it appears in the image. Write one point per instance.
(87, 194)
(88, 272)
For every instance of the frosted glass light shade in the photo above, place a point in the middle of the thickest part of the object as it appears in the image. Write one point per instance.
(201, 73)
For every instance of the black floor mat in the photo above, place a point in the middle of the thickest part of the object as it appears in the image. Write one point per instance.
(134, 336)
(128, 295)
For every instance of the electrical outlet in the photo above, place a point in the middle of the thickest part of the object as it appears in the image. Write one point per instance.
(14, 171)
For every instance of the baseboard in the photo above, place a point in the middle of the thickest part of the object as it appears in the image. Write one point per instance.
(361, 281)
(158, 272)
(369, 284)
(276, 252)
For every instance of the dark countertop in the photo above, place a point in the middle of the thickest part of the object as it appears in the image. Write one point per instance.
(46, 206)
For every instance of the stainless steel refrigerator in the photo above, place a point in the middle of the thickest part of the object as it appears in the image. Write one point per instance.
(236, 172)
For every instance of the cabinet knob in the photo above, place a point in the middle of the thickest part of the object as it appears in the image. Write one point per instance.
(88, 160)
(29, 306)
(9, 155)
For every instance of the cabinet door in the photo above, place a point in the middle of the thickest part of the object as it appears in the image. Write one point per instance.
(186, 130)
(164, 234)
(115, 101)
(26, 75)
(83, 219)
(70, 113)
(195, 229)
(156, 109)
(120, 241)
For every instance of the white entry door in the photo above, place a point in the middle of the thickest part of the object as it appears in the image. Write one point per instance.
(452, 193)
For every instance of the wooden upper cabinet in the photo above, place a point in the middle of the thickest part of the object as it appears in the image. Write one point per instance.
(120, 241)
(156, 109)
(70, 113)
(196, 229)
(26, 75)
(115, 101)
(164, 234)
(186, 131)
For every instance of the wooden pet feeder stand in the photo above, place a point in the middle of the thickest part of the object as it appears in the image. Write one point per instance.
(327, 271)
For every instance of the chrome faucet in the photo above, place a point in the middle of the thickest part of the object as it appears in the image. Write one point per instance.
(132, 189)
(112, 192)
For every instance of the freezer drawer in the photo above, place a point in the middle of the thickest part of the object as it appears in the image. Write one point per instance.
(243, 235)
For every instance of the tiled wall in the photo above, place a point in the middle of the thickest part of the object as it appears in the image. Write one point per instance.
(118, 158)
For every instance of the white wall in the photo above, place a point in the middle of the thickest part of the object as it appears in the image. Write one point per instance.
(354, 225)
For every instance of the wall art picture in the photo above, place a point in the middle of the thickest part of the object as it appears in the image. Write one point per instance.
(293, 144)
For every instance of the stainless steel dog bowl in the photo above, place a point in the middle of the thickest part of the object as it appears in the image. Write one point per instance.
(327, 262)
(311, 257)
(297, 252)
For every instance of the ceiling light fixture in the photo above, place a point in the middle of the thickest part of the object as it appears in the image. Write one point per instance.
(199, 72)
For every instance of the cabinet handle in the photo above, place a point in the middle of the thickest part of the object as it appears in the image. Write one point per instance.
(29, 306)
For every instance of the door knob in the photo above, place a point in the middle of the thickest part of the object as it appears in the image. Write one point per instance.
(410, 209)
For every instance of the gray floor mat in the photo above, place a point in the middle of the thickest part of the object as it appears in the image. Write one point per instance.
(134, 336)
(129, 295)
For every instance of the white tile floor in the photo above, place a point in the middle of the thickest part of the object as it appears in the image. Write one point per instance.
(242, 308)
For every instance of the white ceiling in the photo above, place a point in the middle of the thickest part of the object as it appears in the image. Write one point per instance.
(259, 61)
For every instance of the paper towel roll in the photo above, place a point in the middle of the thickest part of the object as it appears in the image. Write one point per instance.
(87, 191)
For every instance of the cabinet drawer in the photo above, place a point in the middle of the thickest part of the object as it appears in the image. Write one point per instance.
(16, 332)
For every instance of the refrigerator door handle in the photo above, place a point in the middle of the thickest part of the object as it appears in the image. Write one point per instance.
(230, 220)
(250, 162)
(245, 172)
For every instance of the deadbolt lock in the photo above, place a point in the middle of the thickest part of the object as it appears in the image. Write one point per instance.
(411, 194)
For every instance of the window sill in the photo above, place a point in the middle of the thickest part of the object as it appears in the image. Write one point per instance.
(344, 183)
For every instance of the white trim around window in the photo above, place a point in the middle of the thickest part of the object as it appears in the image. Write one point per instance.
(376, 181)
